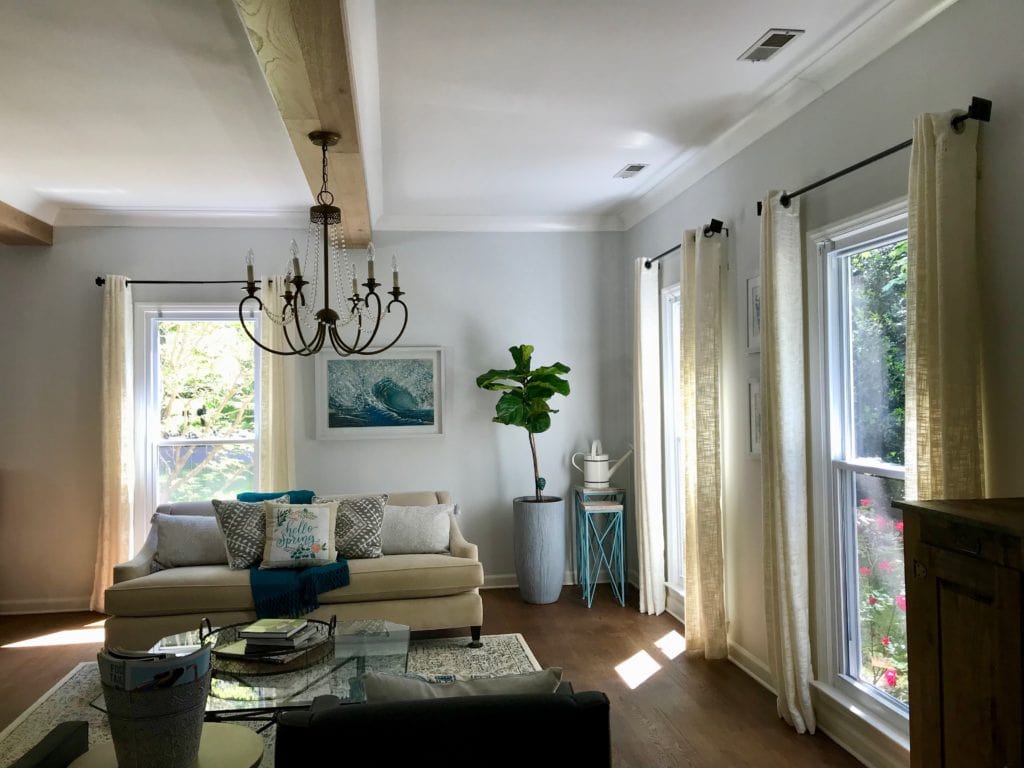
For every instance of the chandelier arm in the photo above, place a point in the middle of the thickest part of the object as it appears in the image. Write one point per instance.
(257, 342)
(305, 350)
(405, 320)
(339, 344)
(361, 349)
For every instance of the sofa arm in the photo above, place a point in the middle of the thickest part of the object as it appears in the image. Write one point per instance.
(458, 546)
(141, 564)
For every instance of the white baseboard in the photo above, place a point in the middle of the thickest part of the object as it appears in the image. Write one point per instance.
(44, 605)
(752, 665)
(506, 580)
(675, 605)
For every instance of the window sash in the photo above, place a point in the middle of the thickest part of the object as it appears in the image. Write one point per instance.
(672, 437)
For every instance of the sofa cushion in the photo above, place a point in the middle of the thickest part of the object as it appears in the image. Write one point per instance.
(187, 540)
(357, 531)
(298, 535)
(218, 588)
(413, 530)
(243, 525)
(380, 686)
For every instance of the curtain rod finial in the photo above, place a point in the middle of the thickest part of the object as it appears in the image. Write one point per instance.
(101, 281)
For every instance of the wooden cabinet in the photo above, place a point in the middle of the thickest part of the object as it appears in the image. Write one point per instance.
(964, 590)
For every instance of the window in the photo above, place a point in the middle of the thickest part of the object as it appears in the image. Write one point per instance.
(859, 554)
(672, 432)
(199, 406)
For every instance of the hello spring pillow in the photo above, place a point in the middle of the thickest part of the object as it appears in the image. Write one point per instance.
(299, 535)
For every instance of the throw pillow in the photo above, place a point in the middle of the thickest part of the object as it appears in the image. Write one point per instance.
(299, 535)
(380, 686)
(187, 540)
(416, 530)
(243, 525)
(357, 531)
(294, 497)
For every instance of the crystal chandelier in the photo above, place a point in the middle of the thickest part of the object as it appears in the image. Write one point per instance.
(353, 330)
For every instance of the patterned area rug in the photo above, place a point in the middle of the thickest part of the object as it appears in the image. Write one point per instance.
(70, 698)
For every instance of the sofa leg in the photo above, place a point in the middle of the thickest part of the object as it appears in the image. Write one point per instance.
(475, 643)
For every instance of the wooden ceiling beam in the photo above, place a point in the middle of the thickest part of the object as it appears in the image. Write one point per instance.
(301, 48)
(19, 228)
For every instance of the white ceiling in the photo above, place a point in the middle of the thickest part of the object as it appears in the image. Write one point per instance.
(473, 114)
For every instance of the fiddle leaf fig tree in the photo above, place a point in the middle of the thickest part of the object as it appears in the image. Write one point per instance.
(525, 393)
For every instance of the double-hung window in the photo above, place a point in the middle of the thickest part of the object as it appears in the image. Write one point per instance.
(672, 434)
(196, 407)
(862, 270)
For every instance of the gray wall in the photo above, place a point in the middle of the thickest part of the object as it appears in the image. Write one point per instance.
(475, 295)
(972, 49)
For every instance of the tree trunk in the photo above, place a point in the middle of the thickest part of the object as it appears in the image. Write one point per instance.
(536, 471)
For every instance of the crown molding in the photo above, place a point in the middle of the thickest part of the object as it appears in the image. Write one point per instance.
(182, 217)
(404, 223)
(882, 26)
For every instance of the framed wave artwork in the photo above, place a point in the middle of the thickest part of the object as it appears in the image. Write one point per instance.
(397, 393)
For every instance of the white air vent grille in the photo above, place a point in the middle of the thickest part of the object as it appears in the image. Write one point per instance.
(770, 43)
(630, 170)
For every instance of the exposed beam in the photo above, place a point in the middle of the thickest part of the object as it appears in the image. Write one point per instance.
(19, 228)
(301, 48)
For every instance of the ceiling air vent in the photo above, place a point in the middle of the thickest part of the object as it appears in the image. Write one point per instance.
(630, 170)
(770, 43)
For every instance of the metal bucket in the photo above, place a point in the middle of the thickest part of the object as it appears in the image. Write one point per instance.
(159, 728)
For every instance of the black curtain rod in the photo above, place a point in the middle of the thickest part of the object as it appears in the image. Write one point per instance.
(714, 228)
(980, 109)
(101, 281)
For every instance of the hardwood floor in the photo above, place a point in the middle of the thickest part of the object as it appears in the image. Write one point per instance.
(689, 713)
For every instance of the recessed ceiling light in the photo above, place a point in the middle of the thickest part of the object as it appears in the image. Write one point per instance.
(630, 170)
(770, 43)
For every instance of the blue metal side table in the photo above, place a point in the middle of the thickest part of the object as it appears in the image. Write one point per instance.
(599, 539)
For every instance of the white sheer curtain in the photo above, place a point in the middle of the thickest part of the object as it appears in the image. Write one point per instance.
(276, 452)
(700, 362)
(784, 462)
(650, 527)
(945, 452)
(116, 436)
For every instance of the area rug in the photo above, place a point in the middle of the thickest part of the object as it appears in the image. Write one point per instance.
(70, 698)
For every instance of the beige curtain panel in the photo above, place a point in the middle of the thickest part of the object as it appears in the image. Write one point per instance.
(276, 454)
(700, 300)
(784, 486)
(945, 451)
(650, 527)
(116, 435)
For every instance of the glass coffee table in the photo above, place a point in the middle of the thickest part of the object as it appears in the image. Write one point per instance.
(361, 645)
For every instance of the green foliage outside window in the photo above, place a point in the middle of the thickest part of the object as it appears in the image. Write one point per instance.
(207, 390)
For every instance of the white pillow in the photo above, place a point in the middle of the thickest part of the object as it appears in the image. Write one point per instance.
(187, 540)
(381, 686)
(416, 530)
(299, 535)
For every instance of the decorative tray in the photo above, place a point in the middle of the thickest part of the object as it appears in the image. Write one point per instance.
(267, 662)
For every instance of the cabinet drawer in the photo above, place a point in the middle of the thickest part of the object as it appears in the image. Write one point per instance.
(976, 541)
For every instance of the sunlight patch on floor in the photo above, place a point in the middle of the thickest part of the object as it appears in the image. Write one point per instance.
(90, 634)
(671, 644)
(637, 668)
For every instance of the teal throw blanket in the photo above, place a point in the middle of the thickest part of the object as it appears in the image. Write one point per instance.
(292, 592)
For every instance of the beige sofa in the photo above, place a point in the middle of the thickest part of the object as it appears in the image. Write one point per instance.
(422, 591)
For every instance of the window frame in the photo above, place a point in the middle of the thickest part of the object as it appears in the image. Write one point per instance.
(831, 446)
(147, 440)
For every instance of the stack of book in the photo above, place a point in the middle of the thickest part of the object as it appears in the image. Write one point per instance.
(267, 637)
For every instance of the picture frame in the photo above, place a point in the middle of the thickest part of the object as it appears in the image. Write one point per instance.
(754, 417)
(754, 315)
(396, 393)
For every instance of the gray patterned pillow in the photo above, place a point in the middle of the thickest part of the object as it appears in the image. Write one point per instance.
(359, 520)
(244, 526)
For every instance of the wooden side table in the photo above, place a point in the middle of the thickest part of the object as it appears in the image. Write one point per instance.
(222, 746)
(598, 515)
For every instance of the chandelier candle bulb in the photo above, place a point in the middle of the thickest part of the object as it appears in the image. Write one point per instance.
(296, 268)
(369, 261)
(249, 257)
(394, 270)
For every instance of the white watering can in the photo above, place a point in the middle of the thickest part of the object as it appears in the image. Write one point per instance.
(595, 469)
